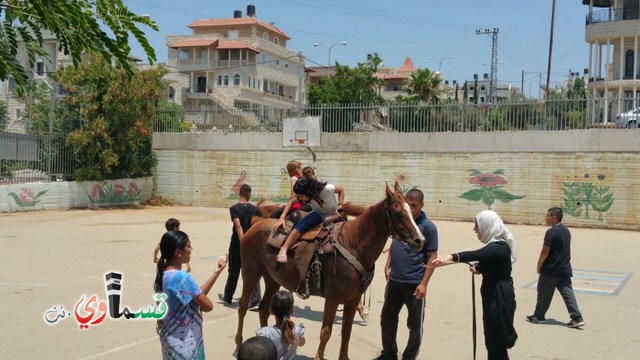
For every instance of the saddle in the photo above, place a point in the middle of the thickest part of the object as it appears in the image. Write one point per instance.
(306, 251)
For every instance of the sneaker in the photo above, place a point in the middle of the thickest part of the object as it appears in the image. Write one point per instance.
(535, 320)
(576, 323)
(222, 298)
(254, 306)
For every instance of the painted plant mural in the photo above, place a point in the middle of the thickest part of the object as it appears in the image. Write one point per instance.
(26, 197)
(489, 188)
(590, 192)
(114, 194)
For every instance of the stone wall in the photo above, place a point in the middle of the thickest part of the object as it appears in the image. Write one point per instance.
(80, 194)
(592, 173)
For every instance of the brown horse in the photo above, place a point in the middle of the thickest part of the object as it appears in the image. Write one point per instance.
(364, 238)
(266, 209)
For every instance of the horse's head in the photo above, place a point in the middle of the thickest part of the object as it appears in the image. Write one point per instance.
(400, 220)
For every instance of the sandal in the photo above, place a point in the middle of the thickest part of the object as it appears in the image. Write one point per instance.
(282, 259)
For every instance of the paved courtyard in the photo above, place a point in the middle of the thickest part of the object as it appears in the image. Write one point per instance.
(52, 258)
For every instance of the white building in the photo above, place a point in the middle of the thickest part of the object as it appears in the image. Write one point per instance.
(238, 65)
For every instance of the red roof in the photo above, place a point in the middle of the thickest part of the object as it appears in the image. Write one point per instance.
(193, 43)
(236, 45)
(236, 21)
(407, 66)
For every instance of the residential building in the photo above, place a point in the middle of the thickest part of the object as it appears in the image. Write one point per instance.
(612, 30)
(395, 79)
(19, 120)
(502, 92)
(239, 66)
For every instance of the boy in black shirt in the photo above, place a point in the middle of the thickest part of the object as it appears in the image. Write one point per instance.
(554, 269)
(241, 215)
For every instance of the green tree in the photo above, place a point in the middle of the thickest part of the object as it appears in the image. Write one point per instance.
(117, 112)
(4, 116)
(79, 26)
(475, 91)
(424, 85)
(578, 89)
(349, 85)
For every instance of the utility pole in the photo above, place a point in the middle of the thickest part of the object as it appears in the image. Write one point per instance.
(553, 16)
(493, 79)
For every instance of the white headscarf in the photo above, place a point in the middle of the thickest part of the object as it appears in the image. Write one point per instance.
(493, 229)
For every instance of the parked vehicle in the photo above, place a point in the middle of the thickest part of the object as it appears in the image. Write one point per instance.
(629, 119)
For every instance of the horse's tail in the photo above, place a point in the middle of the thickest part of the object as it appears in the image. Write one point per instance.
(351, 209)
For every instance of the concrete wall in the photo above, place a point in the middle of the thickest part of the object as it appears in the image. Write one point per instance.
(82, 194)
(591, 173)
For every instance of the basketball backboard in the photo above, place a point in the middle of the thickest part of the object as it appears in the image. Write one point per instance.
(301, 131)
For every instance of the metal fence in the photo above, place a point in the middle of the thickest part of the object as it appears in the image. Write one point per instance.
(46, 157)
(399, 117)
(35, 157)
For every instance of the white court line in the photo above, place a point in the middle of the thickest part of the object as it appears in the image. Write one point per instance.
(134, 344)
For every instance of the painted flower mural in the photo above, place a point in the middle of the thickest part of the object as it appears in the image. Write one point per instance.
(404, 181)
(26, 197)
(114, 194)
(489, 188)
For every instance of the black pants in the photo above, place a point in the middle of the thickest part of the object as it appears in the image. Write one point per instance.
(396, 296)
(234, 275)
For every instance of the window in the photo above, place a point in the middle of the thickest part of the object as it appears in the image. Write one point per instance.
(12, 84)
(219, 80)
(276, 40)
(233, 34)
(481, 99)
(277, 62)
(184, 54)
(236, 79)
(226, 80)
(40, 68)
(254, 83)
(264, 58)
(628, 64)
(265, 35)
(172, 93)
(470, 88)
(482, 88)
(286, 65)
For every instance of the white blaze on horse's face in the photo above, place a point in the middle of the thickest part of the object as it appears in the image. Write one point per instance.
(416, 244)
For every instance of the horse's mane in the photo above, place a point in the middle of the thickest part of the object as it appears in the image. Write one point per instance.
(360, 224)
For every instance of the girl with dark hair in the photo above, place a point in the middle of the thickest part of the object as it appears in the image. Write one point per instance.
(285, 334)
(321, 197)
(181, 329)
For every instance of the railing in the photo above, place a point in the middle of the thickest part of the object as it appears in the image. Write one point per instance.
(234, 63)
(35, 158)
(520, 116)
(612, 15)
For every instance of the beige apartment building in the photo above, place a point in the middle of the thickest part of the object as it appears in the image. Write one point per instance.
(237, 67)
(612, 30)
(19, 120)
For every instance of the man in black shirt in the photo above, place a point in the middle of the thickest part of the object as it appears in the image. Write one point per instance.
(241, 215)
(554, 269)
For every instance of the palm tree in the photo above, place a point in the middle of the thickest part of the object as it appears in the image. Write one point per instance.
(424, 85)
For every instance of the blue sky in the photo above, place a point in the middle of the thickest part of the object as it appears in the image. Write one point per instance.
(397, 29)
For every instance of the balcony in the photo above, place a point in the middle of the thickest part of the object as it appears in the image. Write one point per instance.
(191, 64)
(610, 15)
(234, 63)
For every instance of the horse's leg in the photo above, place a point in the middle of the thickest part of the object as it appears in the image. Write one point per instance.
(330, 308)
(250, 279)
(347, 323)
(270, 288)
